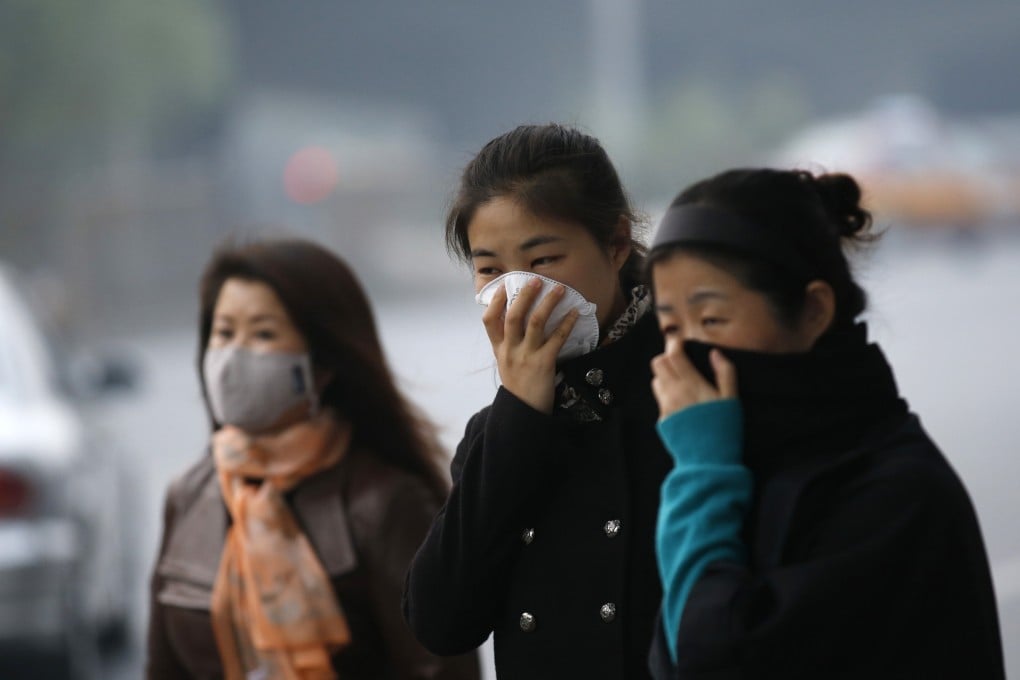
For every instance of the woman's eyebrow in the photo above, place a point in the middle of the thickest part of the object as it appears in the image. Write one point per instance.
(699, 296)
(536, 241)
(532, 242)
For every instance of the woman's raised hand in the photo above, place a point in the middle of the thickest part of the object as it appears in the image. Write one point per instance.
(525, 357)
(677, 384)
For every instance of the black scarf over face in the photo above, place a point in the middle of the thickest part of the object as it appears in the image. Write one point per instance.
(800, 406)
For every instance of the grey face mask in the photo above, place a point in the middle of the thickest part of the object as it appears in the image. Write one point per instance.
(583, 338)
(252, 390)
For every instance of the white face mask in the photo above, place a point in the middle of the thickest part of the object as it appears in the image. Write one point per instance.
(583, 338)
(252, 390)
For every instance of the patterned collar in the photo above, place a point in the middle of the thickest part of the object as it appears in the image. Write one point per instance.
(568, 401)
(640, 303)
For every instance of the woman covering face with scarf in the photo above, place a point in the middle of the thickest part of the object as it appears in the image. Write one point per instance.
(809, 528)
(284, 548)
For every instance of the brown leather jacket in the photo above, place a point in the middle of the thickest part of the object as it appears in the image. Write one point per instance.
(365, 520)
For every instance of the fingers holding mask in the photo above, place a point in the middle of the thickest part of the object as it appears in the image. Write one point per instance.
(535, 333)
(518, 322)
(559, 337)
(525, 356)
(494, 317)
(526, 320)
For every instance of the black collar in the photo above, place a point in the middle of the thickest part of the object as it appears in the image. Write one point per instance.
(800, 406)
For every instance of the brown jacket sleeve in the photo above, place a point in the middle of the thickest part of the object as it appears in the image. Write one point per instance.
(161, 661)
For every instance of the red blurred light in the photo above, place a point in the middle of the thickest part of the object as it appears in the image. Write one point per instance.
(311, 175)
(15, 493)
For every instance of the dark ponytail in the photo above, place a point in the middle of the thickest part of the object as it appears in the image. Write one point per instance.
(841, 196)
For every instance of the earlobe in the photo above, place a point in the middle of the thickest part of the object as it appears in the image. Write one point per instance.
(819, 309)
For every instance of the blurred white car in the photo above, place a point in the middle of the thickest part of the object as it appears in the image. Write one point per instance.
(63, 576)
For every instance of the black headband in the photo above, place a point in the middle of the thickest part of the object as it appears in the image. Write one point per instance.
(698, 224)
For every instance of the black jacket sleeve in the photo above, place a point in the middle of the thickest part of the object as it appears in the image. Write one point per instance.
(509, 459)
(889, 581)
(409, 509)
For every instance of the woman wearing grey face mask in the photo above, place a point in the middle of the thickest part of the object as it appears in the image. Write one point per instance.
(547, 540)
(284, 547)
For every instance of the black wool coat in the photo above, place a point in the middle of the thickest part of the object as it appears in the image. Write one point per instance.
(547, 538)
(865, 555)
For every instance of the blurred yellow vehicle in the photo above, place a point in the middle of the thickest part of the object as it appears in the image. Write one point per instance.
(916, 167)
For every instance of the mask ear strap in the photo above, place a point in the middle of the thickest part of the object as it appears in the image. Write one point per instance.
(310, 389)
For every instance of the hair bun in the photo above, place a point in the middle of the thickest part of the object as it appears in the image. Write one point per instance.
(841, 197)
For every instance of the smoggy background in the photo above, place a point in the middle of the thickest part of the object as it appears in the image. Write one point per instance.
(135, 136)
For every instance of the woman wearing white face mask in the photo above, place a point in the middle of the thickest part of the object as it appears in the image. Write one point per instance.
(284, 548)
(547, 537)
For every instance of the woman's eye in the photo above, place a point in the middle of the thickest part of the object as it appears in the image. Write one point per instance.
(223, 333)
(265, 335)
(670, 330)
(540, 261)
(712, 321)
(487, 271)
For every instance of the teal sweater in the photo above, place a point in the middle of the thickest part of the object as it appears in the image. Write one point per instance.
(704, 501)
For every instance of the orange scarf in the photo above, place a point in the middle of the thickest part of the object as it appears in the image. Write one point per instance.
(273, 607)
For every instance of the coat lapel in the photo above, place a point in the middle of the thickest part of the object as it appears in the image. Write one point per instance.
(319, 508)
(190, 563)
(192, 556)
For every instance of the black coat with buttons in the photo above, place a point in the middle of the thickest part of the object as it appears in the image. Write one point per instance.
(547, 539)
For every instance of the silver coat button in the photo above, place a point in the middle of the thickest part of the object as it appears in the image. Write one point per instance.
(605, 396)
(528, 536)
(594, 376)
(527, 622)
(612, 527)
(607, 612)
